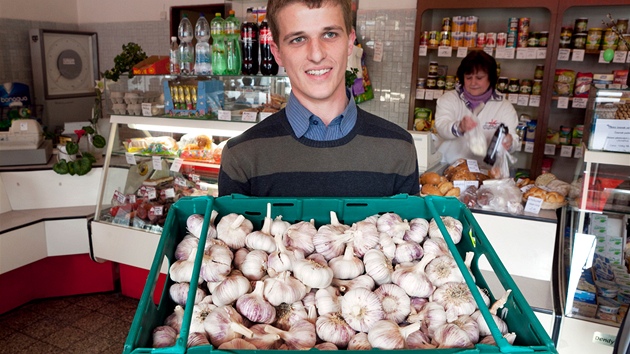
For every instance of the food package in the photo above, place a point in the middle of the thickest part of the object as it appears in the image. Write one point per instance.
(500, 195)
(162, 145)
(564, 82)
(458, 171)
(583, 83)
(196, 147)
(423, 119)
(620, 77)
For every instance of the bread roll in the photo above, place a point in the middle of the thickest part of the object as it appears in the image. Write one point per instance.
(545, 179)
(430, 178)
(445, 187)
(430, 189)
(554, 197)
(453, 192)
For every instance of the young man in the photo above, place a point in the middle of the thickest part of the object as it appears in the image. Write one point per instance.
(321, 144)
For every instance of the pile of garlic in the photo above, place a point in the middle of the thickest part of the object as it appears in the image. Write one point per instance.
(383, 282)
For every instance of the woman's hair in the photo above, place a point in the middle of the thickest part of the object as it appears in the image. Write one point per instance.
(478, 60)
(274, 6)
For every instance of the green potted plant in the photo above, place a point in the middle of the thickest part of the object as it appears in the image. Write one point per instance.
(131, 55)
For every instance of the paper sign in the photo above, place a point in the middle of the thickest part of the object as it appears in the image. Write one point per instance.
(120, 198)
(157, 162)
(420, 94)
(177, 165)
(525, 53)
(462, 52)
(533, 205)
(541, 53)
(550, 149)
(169, 193)
(444, 51)
(378, 51)
(264, 115)
(579, 102)
(437, 94)
(534, 101)
(157, 210)
(620, 56)
(146, 109)
(488, 50)
(564, 54)
(195, 178)
(463, 185)
(563, 102)
(225, 115)
(180, 181)
(151, 193)
(422, 51)
(529, 146)
(23, 126)
(131, 159)
(523, 100)
(504, 53)
(472, 165)
(131, 198)
(578, 55)
(513, 98)
(249, 116)
(566, 150)
(428, 95)
(578, 152)
(611, 135)
(601, 58)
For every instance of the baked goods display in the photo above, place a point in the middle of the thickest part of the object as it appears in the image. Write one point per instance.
(459, 171)
(434, 184)
(550, 189)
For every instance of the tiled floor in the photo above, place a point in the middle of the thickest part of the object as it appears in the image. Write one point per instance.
(96, 323)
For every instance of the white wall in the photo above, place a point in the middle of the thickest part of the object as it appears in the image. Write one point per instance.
(388, 5)
(62, 11)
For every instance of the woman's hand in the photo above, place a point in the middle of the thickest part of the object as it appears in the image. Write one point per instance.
(467, 124)
(507, 142)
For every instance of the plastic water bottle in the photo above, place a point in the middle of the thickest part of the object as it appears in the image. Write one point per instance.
(217, 30)
(202, 49)
(174, 63)
(186, 50)
(268, 65)
(232, 44)
(249, 44)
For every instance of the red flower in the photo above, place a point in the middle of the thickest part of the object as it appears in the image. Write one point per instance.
(79, 133)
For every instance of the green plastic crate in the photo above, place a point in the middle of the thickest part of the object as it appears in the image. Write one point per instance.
(531, 337)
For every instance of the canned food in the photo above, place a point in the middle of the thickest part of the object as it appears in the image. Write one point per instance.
(501, 39)
(525, 86)
(594, 38)
(433, 38)
(609, 41)
(457, 39)
(579, 40)
(537, 87)
(565, 37)
(424, 38)
(432, 82)
(458, 24)
(581, 25)
(441, 82)
(543, 39)
(470, 39)
(502, 84)
(513, 86)
(622, 25)
(450, 82)
(433, 68)
(421, 83)
(446, 24)
(445, 38)
(481, 39)
(539, 72)
(471, 23)
(533, 39)
(491, 39)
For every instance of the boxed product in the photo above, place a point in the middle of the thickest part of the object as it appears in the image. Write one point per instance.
(564, 82)
(153, 65)
(583, 83)
(193, 98)
(584, 309)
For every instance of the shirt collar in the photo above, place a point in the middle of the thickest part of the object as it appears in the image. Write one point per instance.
(299, 116)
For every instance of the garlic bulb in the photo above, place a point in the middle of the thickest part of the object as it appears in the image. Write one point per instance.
(346, 266)
(199, 314)
(181, 271)
(233, 229)
(484, 329)
(254, 307)
(456, 299)
(283, 288)
(281, 260)
(396, 304)
(278, 226)
(434, 247)
(442, 270)
(386, 334)
(164, 336)
(361, 308)
(418, 230)
(230, 289)
(179, 293)
(194, 223)
(259, 240)
(239, 257)
(407, 251)
(309, 299)
(363, 281)
(418, 340)
(175, 319)
(418, 302)
(413, 280)
(300, 236)
(313, 271)
(469, 325)
(333, 328)
(301, 335)
(378, 266)
(451, 336)
(330, 239)
(254, 266)
(216, 264)
(187, 245)
(263, 340)
(365, 237)
(359, 342)
(196, 339)
(327, 300)
(237, 343)
(452, 225)
(387, 245)
(431, 315)
(224, 324)
(288, 314)
(326, 346)
(393, 225)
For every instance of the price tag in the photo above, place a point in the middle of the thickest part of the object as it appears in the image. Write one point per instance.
(519, 148)
(614, 86)
(526, 53)
(157, 210)
(534, 101)
(550, 149)
(579, 102)
(533, 205)
(444, 51)
(529, 146)
(563, 102)
(564, 54)
(378, 52)
(177, 165)
(488, 50)
(180, 181)
(463, 185)
(472, 165)
(249, 116)
(120, 198)
(169, 193)
(264, 115)
(225, 115)
(577, 153)
(513, 98)
(541, 53)
(157, 163)
(620, 56)
(419, 94)
(428, 95)
(131, 159)
(195, 178)
(131, 198)
(202, 186)
(601, 57)
(462, 52)
(566, 150)
(578, 55)
(523, 100)
(23, 126)
(146, 109)
(422, 51)
(437, 94)
(504, 53)
(151, 193)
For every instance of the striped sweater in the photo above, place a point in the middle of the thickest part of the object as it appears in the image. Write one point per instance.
(377, 158)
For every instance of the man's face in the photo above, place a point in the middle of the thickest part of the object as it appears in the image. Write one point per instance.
(313, 48)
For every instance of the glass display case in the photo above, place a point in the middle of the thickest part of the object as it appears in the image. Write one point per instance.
(164, 145)
(608, 115)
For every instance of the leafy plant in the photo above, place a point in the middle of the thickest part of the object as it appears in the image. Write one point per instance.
(131, 55)
(83, 164)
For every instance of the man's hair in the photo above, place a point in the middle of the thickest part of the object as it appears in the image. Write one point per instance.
(478, 60)
(274, 7)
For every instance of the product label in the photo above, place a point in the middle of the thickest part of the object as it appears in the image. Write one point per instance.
(533, 205)
(265, 36)
(157, 163)
(177, 165)
(604, 338)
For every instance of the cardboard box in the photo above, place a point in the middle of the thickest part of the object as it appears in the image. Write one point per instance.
(153, 65)
(584, 309)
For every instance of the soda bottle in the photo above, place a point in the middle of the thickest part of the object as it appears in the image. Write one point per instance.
(174, 62)
(232, 44)
(202, 49)
(186, 50)
(249, 42)
(217, 30)
(268, 65)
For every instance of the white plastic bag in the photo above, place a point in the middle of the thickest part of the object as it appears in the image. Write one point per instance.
(476, 140)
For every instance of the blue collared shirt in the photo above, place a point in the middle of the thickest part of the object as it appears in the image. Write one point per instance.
(306, 124)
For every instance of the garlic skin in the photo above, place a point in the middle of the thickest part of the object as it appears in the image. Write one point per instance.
(386, 334)
(300, 236)
(239, 257)
(451, 336)
(361, 309)
(330, 239)
(469, 325)
(224, 324)
(254, 307)
(413, 280)
(333, 328)
(396, 303)
(281, 260)
(216, 264)
(288, 314)
(263, 340)
(237, 343)
(196, 339)
(347, 266)
(301, 335)
(418, 340)
(452, 225)
(456, 299)
(230, 289)
(254, 266)
(432, 315)
(313, 271)
(233, 229)
(363, 281)
(326, 346)
(283, 288)
(393, 225)
(387, 245)
(359, 342)
(164, 336)
(175, 319)
(418, 230)
(187, 245)
(179, 293)
(365, 237)
(378, 266)
(442, 270)
(327, 300)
